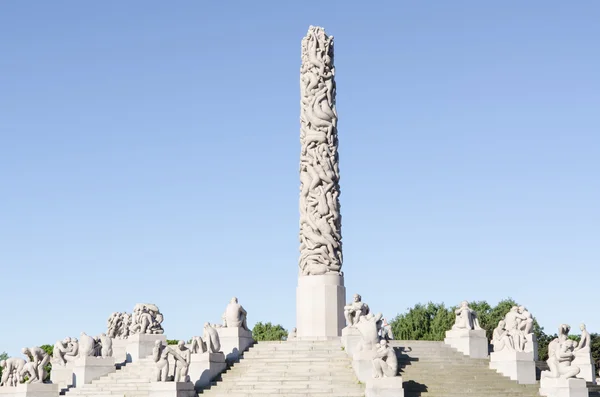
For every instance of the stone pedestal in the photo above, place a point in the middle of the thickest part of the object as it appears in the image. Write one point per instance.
(384, 387)
(320, 304)
(87, 369)
(119, 347)
(532, 345)
(518, 366)
(62, 375)
(171, 389)
(141, 345)
(30, 390)
(234, 341)
(362, 363)
(583, 360)
(472, 343)
(204, 367)
(350, 339)
(559, 387)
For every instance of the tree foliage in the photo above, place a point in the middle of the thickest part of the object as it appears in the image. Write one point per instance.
(268, 331)
(172, 341)
(49, 349)
(3, 356)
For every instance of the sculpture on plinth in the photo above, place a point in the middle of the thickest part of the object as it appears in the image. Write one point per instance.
(146, 319)
(385, 362)
(12, 369)
(87, 346)
(182, 362)
(354, 310)
(292, 334)
(160, 355)
(320, 219)
(560, 358)
(211, 339)
(36, 359)
(235, 315)
(104, 346)
(519, 323)
(501, 338)
(585, 340)
(466, 318)
(369, 327)
(386, 330)
(197, 345)
(60, 350)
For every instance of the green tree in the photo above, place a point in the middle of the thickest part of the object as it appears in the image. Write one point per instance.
(268, 331)
(3, 356)
(423, 322)
(48, 367)
(172, 341)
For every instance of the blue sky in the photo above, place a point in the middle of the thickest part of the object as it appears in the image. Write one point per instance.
(149, 153)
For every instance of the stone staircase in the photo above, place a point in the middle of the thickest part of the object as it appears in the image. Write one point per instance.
(294, 368)
(132, 380)
(433, 369)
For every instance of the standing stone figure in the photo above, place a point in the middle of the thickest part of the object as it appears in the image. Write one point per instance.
(320, 219)
(355, 309)
(182, 362)
(11, 371)
(36, 358)
(160, 354)
(385, 362)
(386, 331)
(466, 318)
(235, 315)
(105, 346)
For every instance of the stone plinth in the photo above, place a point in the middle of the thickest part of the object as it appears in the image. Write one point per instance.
(204, 367)
(532, 345)
(30, 390)
(62, 375)
(472, 343)
(518, 366)
(350, 339)
(320, 304)
(560, 387)
(234, 341)
(87, 369)
(119, 347)
(362, 364)
(141, 345)
(583, 360)
(384, 387)
(171, 389)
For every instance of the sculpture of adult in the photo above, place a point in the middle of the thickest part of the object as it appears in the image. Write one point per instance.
(87, 345)
(525, 323)
(10, 366)
(563, 332)
(105, 346)
(560, 362)
(160, 354)
(512, 319)
(466, 318)
(369, 327)
(386, 330)
(61, 347)
(355, 309)
(292, 334)
(385, 363)
(182, 362)
(585, 340)
(38, 358)
(197, 345)
(73, 350)
(235, 315)
(501, 339)
(211, 339)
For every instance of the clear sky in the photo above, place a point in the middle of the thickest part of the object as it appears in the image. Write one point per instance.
(149, 153)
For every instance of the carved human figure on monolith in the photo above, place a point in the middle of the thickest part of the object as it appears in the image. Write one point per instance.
(105, 345)
(369, 327)
(36, 359)
(385, 362)
(585, 340)
(197, 345)
(87, 345)
(160, 354)
(292, 334)
(11, 367)
(501, 338)
(235, 315)
(211, 339)
(466, 318)
(559, 360)
(61, 347)
(320, 219)
(355, 309)
(182, 362)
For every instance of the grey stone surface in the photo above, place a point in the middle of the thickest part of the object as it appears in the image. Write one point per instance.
(171, 389)
(12, 369)
(563, 387)
(320, 219)
(355, 309)
(235, 315)
(36, 359)
(89, 368)
(320, 306)
(470, 342)
(385, 363)
(466, 318)
(384, 387)
(205, 367)
(30, 390)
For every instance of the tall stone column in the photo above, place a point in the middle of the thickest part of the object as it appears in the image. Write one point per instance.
(320, 295)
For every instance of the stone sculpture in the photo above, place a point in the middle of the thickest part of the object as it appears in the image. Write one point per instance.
(292, 334)
(501, 338)
(146, 319)
(197, 345)
(105, 344)
(60, 350)
(182, 364)
(560, 358)
(585, 340)
(518, 331)
(320, 219)
(11, 371)
(235, 315)
(211, 339)
(87, 346)
(385, 362)
(466, 318)
(369, 327)
(386, 331)
(160, 355)
(118, 325)
(355, 309)
(36, 359)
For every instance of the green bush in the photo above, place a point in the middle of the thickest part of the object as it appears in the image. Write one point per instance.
(268, 331)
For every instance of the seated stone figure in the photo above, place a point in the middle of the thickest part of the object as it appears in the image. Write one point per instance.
(292, 334)
(37, 358)
(235, 315)
(526, 321)
(369, 327)
(197, 345)
(87, 345)
(211, 339)
(385, 362)
(501, 339)
(584, 341)
(560, 357)
(355, 309)
(466, 318)
(11, 367)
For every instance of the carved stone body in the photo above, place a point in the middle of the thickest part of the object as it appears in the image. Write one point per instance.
(36, 359)
(11, 371)
(320, 219)
(211, 339)
(235, 315)
(466, 318)
(354, 310)
(385, 362)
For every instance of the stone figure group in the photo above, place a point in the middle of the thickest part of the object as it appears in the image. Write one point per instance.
(320, 220)
(145, 319)
(15, 370)
(181, 354)
(512, 332)
(68, 349)
(466, 318)
(209, 342)
(561, 353)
